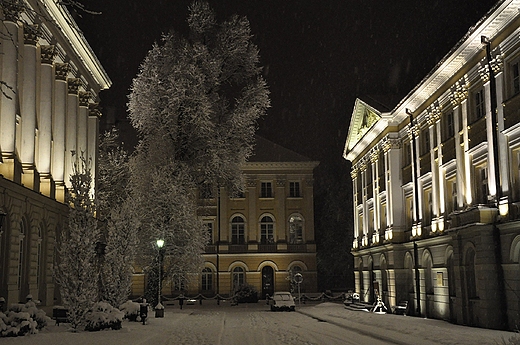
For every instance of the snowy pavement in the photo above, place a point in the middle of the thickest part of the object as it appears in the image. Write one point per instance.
(312, 324)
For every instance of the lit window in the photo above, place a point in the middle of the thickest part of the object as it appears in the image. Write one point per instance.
(266, 230)
(207, 279)
(295, 229)
(237, 230)
(239, 277)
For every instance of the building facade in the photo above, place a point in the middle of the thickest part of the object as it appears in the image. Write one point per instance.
(436, 184)
(261, 238)
(48, 109)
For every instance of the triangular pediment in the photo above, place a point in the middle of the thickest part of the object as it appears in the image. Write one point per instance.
(363, 118)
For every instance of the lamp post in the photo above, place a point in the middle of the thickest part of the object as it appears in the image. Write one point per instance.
(159, 309)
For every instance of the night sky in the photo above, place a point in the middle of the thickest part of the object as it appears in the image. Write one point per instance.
(318, 55)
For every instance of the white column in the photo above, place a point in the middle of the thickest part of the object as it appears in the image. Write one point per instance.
(502, 140)
(58, 126)
(71, 121)
(10, 78)
(28, 106)
(435, 174)
(490, 128)
(440, 178)
(467, 191)
(93, 142)
(46, 100)
(82, 125)
(354, 175)
(375, 192)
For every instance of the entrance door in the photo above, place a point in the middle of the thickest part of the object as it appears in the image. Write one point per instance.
(267, 281)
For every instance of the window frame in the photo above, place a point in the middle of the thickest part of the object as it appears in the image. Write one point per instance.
(295, 189)
(267, 229)
(266, 189)
(238, 230)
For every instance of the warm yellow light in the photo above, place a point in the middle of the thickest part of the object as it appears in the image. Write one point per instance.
(503, 209)
(160, 243)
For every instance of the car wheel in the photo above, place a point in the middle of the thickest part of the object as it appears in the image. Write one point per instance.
(272, 308)
(292, 309)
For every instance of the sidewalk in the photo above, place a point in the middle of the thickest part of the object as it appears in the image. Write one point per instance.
(399, 329)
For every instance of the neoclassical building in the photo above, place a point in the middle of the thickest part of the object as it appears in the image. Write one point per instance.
(436, 184)
(48, 109)
(261, 238)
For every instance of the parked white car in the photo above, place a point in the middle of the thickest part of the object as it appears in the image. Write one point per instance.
(282, 301)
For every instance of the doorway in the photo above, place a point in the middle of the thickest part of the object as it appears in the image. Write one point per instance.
(267, 281)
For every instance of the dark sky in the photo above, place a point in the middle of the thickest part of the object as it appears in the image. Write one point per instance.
(318, 55)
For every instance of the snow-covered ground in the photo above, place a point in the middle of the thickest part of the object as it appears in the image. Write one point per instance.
(324, 323)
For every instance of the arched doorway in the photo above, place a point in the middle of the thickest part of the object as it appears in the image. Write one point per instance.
(267, 281)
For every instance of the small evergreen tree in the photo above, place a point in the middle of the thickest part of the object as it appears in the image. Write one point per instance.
(114, 210)
(76, 271)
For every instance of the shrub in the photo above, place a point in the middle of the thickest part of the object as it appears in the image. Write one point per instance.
(246, 294)
(103, 316)
(22, 319)
(130, 309)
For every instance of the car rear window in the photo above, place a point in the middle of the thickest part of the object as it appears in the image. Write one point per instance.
(284, 297)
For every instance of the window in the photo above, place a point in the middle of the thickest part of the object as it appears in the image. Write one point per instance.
(480, 104)
(515, 77)
(237, 230)
(266, 230)
(207, 279)
(209, 228)
(449, 126)
(454, 199)
(294, 189)
(407, 154)
(425, 141)
(295, 229)
(266, 190)
(239, 278)
(483, 185)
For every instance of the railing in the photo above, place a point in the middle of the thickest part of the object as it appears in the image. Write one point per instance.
(266, 248)
(296, 248)
(238, 248)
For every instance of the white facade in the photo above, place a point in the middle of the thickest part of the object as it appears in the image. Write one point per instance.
(448, 183)
(50, 94)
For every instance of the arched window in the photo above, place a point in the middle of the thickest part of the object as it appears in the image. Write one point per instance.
(207, 279)
(266, 230)
(239, 277)
(237, 230)
(295, 229)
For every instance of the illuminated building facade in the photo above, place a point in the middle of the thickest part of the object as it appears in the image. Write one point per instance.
(436, 184)
(264, 236)
(48, 108)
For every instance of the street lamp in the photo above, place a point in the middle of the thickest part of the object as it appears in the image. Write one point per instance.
(159, 309)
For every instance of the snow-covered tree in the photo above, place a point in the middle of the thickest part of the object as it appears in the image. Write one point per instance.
(76, 271)
(113, 209)
(195, 104)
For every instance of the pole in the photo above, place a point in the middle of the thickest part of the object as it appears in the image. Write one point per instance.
(159, 285)
(416, 220)
(218, 245)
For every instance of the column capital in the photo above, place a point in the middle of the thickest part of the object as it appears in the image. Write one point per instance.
(93, 110)
(73, 84)
(280, 181)
(61, 71)
(433, 114)
(459, 91)
(48, 53)
(30, 34)
(84, 97)
(12, 10)
(353, 173)
(484, 71)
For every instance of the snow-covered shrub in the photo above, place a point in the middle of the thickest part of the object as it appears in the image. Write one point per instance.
(103, 316)
(246, 294)
(22, 319)
(17, 323)
(131, 310)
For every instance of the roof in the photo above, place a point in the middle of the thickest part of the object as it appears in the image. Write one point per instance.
(267, 151)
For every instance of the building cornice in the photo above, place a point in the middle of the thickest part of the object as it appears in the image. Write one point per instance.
(279, 166)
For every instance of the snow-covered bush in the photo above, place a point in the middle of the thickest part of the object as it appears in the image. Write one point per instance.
(103, 316)
(246, 294)
(131, 310)
(22, 319)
